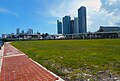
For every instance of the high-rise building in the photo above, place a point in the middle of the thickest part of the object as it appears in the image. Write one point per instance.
(66, 25)
(17, 31)
(82, 20)
(30, 31)
(22, 31)
(59, 27)
(71, 26)
(75, 25)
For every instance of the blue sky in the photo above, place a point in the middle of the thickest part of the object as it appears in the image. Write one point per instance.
(41, 15)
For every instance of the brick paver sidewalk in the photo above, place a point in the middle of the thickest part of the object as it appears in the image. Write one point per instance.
(17, 66)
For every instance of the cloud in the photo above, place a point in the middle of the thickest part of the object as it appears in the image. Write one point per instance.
(118, 23)
(52, 22)
(112, 8)
(4, 10)
(71, 7)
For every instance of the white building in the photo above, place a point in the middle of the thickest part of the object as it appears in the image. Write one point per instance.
(56, 36)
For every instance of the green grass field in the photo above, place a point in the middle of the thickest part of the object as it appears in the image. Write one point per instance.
(70, 57)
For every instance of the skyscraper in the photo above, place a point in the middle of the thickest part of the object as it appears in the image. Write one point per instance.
(75, 25)
(17, 31)
(82, 20)
(30, 31)
(22, 31)
(66, 25)
(71, 26)
(59, 27)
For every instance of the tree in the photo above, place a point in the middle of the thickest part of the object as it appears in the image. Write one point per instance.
(46, 34)
(5, 40)
(38, 33)
(43, 35)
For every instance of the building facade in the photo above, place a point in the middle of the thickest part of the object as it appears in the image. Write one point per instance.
(59, 27)
(82, 20)
(71, 26)
(17, 31)
(23, 32)
(66, 25)
(30, 31)
(75, 31)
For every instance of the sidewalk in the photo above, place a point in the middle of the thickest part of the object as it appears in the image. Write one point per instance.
(17, 66)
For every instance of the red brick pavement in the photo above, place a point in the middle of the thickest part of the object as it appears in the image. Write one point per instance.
(17, 66)
(11, 50)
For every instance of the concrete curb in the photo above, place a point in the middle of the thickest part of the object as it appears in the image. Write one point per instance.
(1, 57)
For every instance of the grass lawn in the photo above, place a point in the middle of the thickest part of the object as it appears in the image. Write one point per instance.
(70, 57)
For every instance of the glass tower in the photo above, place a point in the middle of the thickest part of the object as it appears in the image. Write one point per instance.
(75, 25)
(17, 31)
(82, 20)
(30, 31)
(59, 27)
(71, 26)
(66, 25)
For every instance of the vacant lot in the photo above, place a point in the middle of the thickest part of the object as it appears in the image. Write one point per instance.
(76, 59)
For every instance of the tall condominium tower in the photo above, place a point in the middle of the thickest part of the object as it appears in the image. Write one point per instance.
(66, 25)
(59, 27)
(75, 25)
(82, 20)
(71, 26)
(23, 32)
(30, 31)
(18, 31)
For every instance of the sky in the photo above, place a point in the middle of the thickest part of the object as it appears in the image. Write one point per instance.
(41, 15)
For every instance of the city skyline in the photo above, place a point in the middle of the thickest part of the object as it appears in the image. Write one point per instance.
(42, 15)
(73, 26)
(19, 31)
